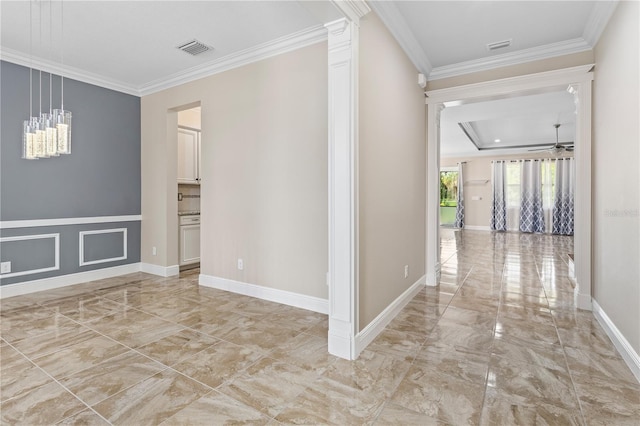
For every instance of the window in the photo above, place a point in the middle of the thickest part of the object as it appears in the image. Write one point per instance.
(448, 188)
(513, 184)
(448, 195)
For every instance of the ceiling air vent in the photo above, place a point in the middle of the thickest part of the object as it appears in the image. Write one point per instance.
(499, 45)
(194, 47)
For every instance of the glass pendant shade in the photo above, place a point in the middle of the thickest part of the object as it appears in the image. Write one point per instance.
(62, 119)
(28, 141)
(40, 138)
(51, 135)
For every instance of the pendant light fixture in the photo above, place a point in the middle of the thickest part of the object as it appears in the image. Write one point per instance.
(48, 134)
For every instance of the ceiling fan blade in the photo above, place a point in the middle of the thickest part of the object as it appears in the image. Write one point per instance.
(568, 148)
(541, 149)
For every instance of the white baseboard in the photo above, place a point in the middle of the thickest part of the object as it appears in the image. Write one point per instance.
(629, 355)
(477, 228)
(27, 287)
(162, 271)
(432, 278)
(572, 269)
(375, 327)
(284, 297)
(340, 347)
(583, 301)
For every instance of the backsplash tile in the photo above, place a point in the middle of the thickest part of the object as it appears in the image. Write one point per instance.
(190, 198)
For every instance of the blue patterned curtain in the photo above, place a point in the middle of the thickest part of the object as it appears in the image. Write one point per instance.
(498, 199)
(564, 195)
(531, 213)
(460, 200)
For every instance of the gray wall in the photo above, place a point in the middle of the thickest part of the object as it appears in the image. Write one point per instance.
(101, 177)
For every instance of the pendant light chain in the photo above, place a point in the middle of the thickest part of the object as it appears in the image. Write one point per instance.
(30, 60)
(28, 127)
(62, 53)
(40, 44)
(51, 56)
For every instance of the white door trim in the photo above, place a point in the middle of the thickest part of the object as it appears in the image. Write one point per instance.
(578, 81)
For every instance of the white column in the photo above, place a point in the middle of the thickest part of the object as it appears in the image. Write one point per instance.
(433, 194)
(582, 202)
(343, 190)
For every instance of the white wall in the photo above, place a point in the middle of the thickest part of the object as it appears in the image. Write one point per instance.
(392, 180)
(264, 172)
(616, 171)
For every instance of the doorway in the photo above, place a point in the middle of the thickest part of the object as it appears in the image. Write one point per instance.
(188, 190)
(577, 81)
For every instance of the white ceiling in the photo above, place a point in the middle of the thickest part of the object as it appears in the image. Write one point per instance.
(449, 38)
(459, 31)
(520, 124)
(130, 46)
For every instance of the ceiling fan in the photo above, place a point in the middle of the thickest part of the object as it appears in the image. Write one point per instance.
(557, 148)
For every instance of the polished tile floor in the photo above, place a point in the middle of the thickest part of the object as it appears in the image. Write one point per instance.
(499, 342)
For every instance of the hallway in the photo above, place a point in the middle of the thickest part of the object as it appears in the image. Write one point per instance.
(498, 342)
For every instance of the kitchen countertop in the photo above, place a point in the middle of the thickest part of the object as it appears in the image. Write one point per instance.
(189, 213)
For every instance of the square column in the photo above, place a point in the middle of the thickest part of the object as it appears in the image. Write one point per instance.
(343, 187)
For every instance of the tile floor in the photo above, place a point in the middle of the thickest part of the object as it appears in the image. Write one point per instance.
(499, 342)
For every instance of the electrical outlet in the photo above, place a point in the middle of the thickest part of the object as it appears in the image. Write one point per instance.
(154, 251)
(5, 267)
(406, 271)
(240, 264)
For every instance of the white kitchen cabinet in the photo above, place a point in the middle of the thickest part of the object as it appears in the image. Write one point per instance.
(188, 156)
(189, 239)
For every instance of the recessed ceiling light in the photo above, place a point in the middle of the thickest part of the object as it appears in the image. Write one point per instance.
(496, 140)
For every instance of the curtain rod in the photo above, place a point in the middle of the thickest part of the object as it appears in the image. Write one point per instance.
(531, 159)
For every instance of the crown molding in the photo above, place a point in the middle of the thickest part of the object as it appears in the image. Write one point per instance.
(275, 47)
(353, 10)
(19, 58)
(266, 50)
(472, 135)
(512, 58)
(598, 20)
(393, 20)
(558, 77)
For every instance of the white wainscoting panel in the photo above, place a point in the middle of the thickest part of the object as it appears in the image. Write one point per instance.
(54, 267)
(81, 236)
